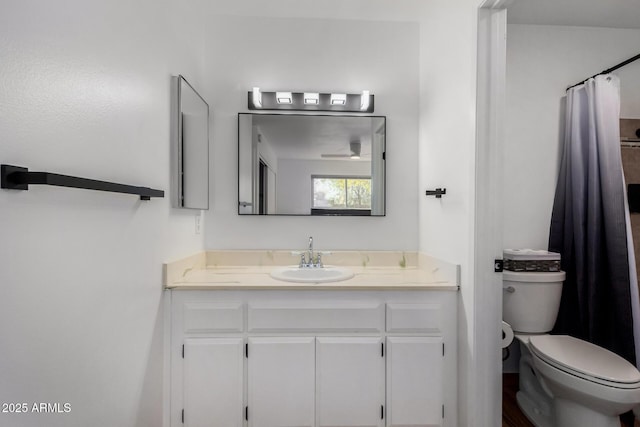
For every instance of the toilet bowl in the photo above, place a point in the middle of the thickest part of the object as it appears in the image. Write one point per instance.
(589, 385)
(564, 381)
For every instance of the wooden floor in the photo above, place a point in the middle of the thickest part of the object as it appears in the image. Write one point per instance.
(512, 416)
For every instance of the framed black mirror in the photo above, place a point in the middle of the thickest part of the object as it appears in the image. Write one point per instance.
(190, 143)
(303, 164)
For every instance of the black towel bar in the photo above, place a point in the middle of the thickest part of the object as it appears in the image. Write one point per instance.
(19, 178)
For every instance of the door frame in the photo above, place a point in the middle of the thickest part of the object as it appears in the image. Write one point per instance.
(484, 401)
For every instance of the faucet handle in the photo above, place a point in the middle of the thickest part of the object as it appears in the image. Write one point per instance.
(303, 260)
(319, 257)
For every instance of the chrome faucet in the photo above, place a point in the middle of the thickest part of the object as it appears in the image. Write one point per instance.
(310, 252)
(310, 259)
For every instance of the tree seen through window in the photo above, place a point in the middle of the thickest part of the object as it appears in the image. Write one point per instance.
(342, 192)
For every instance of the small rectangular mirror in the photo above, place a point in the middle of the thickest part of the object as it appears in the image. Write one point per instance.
(190, 136)
(303, 164)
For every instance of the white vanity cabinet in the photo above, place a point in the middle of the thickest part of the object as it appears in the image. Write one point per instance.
(349, 382)
(213, 381)
(312, 358)
(281, 389)
(415, 387)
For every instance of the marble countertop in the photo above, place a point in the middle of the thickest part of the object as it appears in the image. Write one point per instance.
(373, 271)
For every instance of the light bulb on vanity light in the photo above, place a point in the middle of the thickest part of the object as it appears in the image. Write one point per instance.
(364, 100)
(256, 97)
(284, 97)
(311, 98)
(338, 98)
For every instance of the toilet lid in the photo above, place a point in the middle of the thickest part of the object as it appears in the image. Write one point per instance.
(584, 359)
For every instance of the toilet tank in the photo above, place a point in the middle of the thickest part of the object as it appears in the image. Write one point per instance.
(530, 301)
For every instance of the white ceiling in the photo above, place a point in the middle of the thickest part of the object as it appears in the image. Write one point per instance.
(308, 137)
(583, 13)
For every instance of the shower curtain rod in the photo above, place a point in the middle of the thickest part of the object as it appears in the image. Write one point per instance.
(615, 67)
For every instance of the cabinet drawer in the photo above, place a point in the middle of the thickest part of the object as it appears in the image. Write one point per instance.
(417, 318)
(315, 317)
(210, 317)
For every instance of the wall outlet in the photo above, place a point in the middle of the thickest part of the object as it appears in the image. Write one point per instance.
(198, 223)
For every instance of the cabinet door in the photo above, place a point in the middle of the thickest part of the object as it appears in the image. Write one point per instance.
(213, 382)
(414, 381)
(349, 382)
(281, 382)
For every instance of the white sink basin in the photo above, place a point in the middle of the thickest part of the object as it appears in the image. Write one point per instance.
(311, 274)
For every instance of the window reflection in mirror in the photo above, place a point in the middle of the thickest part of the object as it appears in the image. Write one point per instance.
(291, 164)
(341, 194)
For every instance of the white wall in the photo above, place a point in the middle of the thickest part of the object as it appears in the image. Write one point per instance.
(324, 55)
(85, 90)
(542, 61)
(294, 180)
(446, 159)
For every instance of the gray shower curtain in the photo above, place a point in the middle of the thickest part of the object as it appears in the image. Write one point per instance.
(588, 223)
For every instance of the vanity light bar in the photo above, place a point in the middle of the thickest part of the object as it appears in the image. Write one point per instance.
(311, 101)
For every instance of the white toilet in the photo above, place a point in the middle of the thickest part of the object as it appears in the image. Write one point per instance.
(564, 381)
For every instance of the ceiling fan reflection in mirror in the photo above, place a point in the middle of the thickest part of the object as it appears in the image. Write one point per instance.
(354, 148)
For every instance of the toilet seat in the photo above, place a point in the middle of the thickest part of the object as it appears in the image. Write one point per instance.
(585, 360)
